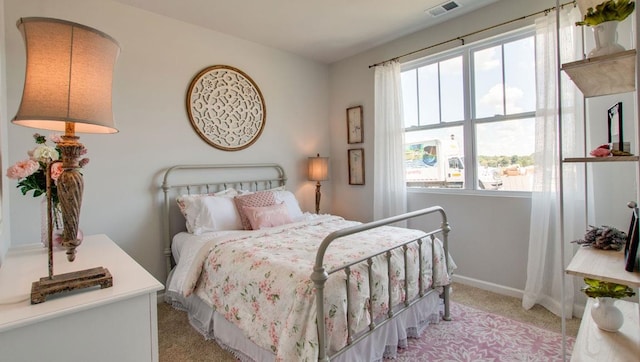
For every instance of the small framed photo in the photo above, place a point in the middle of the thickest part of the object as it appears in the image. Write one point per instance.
(631, 247)
(356, 166)
(614, 119)
(354, 125)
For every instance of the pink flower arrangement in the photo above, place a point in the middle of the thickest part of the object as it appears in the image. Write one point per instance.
(31, 173)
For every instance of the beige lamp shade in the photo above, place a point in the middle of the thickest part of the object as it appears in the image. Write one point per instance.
(318, 168)
(68, 77)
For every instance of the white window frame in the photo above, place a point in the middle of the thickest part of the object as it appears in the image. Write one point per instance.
(469, 122)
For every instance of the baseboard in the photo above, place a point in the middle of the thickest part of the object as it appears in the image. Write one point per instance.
(160, 296)
(491, 287)
(578, 309)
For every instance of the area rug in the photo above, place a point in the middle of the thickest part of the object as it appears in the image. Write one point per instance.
(477, 336)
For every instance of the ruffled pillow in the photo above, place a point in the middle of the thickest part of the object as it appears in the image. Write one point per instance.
(190, 205)
(267, 216)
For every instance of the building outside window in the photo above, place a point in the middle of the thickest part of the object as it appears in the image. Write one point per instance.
(469, 116)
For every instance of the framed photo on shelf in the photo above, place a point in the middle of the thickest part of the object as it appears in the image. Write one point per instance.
(614, 119)
(354, 125)
(356, 166)
(631, 246)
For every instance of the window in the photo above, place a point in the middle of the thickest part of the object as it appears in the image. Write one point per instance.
(474, 103)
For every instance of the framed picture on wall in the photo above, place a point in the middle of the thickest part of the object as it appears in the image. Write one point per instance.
(354, 125)
(356, 166)
(631, 246)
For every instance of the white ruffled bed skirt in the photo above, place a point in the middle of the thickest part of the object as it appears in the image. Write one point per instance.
(382, 343)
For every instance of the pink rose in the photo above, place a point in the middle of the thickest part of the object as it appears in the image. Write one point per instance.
(22, 169)
(56, 171)
(55, 138)
(83, 162)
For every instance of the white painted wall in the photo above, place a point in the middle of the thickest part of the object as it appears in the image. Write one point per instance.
(484, 228)
(158, 60)
(5, 234)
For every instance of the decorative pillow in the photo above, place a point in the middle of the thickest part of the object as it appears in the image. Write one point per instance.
(267, 216)
(190, 208)
(291, 202)
(257, 199)
(216, 213)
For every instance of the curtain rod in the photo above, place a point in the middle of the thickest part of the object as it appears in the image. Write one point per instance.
(461, 38)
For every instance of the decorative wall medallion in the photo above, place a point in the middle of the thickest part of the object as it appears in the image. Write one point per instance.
(226, 108)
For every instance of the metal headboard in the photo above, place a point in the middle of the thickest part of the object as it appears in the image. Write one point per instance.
(211, 178)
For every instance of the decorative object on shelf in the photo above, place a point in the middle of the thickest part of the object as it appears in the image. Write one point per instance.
(354, 125)
(604, 237)
(631, 250)
(604, 20)
(226, 108)
(616, 130)
(318, 171)
(356, 166)
(604, 312)
(31, 176)
(606, 150)
(68, 85)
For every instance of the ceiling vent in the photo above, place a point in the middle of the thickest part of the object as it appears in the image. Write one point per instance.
(443, 8)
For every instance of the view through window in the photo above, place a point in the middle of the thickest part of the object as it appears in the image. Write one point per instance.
(469, 116)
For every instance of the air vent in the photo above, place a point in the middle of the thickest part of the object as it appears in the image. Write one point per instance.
(443, 8)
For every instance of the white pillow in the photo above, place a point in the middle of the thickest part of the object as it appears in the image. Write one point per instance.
(190, 207)
(216, 213)
(289, 199)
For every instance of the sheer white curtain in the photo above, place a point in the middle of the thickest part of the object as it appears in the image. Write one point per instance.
(389, 187)
(545, 267)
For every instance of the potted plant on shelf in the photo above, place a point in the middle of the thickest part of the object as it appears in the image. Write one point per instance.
(604, 19)
(604, 312)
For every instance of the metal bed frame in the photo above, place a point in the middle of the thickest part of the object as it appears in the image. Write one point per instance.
(319, 275)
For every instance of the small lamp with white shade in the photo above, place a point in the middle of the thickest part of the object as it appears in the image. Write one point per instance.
(318, 171)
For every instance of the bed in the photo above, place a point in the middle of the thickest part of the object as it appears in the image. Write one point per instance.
(269, 282)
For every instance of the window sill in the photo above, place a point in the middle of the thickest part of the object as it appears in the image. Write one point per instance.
(466, 192)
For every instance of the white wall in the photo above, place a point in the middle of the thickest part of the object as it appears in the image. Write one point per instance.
(483, 227)
(5, 219)
(158, 59)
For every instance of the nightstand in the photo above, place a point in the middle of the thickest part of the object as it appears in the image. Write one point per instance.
(112, 324)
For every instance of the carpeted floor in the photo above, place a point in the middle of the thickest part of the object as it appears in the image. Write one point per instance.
(178, 341)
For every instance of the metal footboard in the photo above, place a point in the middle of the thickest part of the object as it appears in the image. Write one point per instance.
(320, 275)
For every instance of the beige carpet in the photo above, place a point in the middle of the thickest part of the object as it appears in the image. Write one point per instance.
(178, 341)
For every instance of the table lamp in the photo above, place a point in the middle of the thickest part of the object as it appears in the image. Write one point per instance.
(68, 84)
(318, 171)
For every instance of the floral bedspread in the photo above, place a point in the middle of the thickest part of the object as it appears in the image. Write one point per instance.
(261, 281)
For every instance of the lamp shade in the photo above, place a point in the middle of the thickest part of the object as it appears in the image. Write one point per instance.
(68, 77)
(318, 168)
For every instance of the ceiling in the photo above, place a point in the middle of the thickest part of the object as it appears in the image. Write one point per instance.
(322, 30)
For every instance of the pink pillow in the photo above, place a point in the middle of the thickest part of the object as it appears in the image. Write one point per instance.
(258, 199)
(267, 216)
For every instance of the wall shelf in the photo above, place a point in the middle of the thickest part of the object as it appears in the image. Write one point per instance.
(602, 159)
(594, 344)
(603, 75)
(603, 265)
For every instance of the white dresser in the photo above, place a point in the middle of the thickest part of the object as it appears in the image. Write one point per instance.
(112, 324)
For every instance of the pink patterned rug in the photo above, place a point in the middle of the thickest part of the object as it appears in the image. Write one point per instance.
(477, 336)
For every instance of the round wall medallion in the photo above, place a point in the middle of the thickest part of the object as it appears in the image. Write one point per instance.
(226, 108)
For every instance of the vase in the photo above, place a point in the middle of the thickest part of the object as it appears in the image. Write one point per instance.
(57, 224)
(606, 37)
(606, 315)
